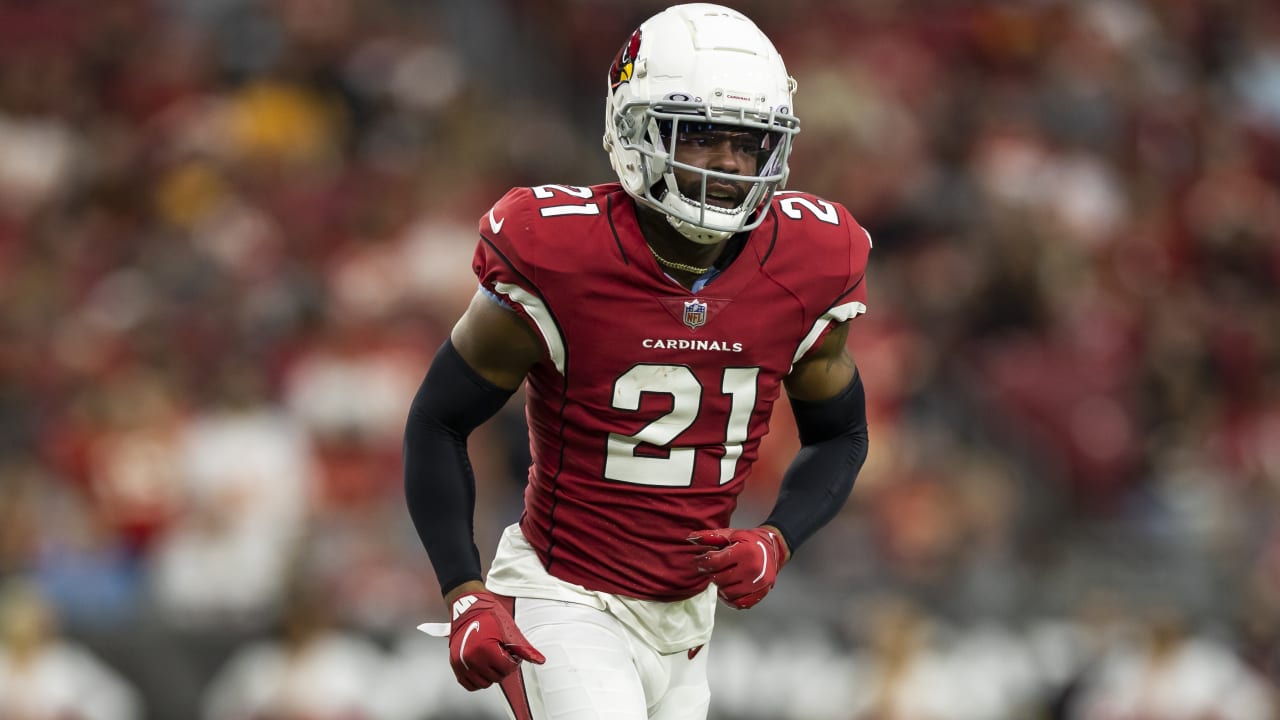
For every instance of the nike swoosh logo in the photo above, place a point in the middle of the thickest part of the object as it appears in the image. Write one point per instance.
(462, 648)
(495, 223)
(764, 551)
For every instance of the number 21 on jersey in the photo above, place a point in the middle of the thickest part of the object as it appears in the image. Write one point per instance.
(676, 469)
(546, 192)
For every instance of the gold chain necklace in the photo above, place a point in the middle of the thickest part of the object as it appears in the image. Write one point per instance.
(678, 266)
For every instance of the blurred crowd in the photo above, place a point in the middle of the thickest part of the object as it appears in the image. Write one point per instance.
(233, 232)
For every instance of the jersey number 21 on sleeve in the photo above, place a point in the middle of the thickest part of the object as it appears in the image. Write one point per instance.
(546, 192)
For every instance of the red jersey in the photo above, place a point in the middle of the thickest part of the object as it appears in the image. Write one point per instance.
(646, 412)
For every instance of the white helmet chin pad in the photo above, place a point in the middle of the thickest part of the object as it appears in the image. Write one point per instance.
(700, 235)
(702, 64)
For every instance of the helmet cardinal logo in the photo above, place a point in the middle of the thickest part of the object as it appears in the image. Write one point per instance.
(624, 63)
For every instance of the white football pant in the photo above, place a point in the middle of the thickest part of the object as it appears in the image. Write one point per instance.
(597, 669)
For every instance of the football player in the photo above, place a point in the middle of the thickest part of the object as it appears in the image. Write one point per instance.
(655, 321)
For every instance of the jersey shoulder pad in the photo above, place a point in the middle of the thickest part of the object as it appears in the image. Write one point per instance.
(819, 239)
(534, 230)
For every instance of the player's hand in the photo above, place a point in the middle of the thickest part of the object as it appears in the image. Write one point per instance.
(485, 645)
(746, 564)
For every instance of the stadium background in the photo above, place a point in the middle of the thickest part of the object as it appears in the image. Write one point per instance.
(232, 233)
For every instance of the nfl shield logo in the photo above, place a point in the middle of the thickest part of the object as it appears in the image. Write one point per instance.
(695, 313)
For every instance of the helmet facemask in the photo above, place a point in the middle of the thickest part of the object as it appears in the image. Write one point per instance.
(697, 209)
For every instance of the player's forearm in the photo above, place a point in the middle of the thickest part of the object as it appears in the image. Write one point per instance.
(440, 493)
(439, 486)
(818, 481)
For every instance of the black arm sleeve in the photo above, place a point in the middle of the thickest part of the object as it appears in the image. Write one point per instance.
(439, 486)
(833, 438)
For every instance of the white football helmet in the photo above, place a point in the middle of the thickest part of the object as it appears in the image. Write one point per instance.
(695, 65)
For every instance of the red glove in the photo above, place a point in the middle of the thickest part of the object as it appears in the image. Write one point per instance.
(484, 643)
(745, 569)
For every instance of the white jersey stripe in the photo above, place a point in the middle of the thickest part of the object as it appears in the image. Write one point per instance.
(839, 313)
(537, 310)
